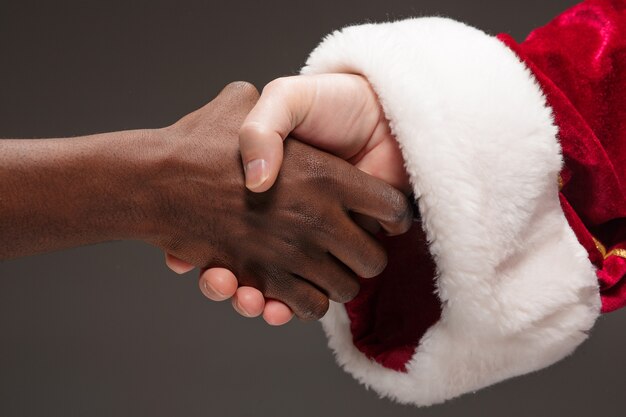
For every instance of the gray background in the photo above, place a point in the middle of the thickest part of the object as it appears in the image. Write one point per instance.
(108, 330)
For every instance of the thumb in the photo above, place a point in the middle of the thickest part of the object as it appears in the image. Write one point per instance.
(281, 108)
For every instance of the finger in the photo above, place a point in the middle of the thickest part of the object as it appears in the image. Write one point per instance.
(339, 283)
(282, 106)
(385, 162)
(305, 300)
(177, 265)
(248, 301)
(374, 198)
(367, 223)
(356, 248)
(276, 313)
(218, 284)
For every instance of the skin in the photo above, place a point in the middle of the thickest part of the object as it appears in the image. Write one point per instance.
(339, 113)
(181, 188)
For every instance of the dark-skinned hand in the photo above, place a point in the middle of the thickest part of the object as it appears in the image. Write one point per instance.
(296, 243)
(182, 188)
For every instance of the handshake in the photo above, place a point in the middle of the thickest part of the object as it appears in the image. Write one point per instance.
(507, 280)
(207, 190)
(287, 242)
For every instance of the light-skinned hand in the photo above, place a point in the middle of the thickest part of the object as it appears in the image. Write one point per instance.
(338, 113)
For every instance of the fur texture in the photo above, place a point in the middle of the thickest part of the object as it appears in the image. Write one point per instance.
(517, 290)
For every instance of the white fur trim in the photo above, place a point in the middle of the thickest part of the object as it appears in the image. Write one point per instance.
(517, 289)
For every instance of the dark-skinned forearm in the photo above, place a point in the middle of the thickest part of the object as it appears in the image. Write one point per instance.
(61, 193)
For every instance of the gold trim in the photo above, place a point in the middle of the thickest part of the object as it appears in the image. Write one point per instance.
(560, 182)
(617, 252)
(613, 252)
(600, 247)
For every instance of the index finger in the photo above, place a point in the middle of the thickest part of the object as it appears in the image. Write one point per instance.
(375, 198)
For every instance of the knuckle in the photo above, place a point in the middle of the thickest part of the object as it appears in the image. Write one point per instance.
(253, 131)
(400, 209)
(316, 224)
(348, 293)
(243, 89)
(313, 167)
(328, 227)
(376, 263)
(277, 85)
(278, 286)
(315, 309)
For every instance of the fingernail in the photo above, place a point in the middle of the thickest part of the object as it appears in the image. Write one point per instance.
(212, 291)
(257, 172)
(178, 269)
(243, 310)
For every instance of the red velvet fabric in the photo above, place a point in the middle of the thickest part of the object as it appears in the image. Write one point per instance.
(579, 59)
(393, 310)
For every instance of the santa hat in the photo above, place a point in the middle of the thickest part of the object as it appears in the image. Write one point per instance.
(493, 282)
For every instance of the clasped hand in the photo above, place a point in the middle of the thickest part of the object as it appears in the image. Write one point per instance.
(292, 237)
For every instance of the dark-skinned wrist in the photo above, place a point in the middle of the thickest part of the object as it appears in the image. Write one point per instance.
(114, 203)
(61, 193)
(146, 154)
